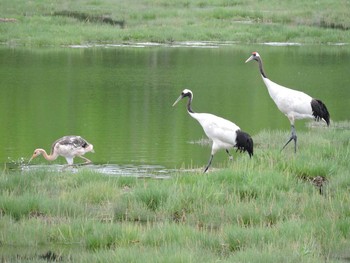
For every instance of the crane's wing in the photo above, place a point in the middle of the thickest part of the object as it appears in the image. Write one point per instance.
(72, 141)
(290, 101)
(217, 128)
(78, 141)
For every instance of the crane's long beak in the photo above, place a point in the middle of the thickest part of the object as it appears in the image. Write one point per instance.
(31, 159)
(249, 59)
(178, 99)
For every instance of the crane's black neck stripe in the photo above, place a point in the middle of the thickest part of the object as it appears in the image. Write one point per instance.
(189, 108)
(261, 68)
(189, 103)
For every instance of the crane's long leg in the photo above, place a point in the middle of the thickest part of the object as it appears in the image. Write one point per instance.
(230, 155)
(87, 161)
(292, 137)
(209, 163)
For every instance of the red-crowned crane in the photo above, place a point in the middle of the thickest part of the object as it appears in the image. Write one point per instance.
(292, 103)
(223, 133)
(68, 147)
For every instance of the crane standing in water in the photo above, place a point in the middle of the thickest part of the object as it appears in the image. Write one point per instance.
(69, 147)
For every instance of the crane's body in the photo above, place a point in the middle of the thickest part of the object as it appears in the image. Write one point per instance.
(223, 133)
(69, 147)
(218, 129)
(292, 103)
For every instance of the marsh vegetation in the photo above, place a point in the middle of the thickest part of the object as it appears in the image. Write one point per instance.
(264, 209)
(276, 207)
(37, 23)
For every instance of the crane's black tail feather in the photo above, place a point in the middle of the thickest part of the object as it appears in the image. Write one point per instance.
(244, 142)
(319, 110)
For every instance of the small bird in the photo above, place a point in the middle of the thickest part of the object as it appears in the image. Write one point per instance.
(68, 147)
(319, 182)
(223, 133)
(292, 103)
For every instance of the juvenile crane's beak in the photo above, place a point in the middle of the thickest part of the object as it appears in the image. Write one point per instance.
(178, 99)
(35, 154)
(31, 158)
(249, 59)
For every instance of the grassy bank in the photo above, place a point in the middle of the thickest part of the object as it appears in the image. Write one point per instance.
(54, 23)
(260, 210)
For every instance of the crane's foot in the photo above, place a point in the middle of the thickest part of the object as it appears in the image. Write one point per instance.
(67, 166)
(77, 165)
(82, 164)
(87, 161)
(230, 157)
(209, 163)
(293, 137)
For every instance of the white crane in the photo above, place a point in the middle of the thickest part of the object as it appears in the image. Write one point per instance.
(223, 133)
(68, 147)
(292, 103)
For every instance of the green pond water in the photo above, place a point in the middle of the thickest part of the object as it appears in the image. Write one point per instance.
(120, 99)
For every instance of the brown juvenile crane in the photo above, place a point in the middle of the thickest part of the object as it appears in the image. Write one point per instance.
(68, 147)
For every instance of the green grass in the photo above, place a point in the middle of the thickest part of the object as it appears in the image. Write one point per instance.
(259, 210)
(166, 21)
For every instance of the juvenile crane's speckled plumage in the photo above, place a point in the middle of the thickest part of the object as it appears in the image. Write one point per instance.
(223, 133)
(69, 147)
(292, 103)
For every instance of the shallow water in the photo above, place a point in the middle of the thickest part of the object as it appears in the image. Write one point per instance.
(119, 98)
(131, 170)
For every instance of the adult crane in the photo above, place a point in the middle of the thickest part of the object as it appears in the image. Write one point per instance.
(292, 103)
(223, 133)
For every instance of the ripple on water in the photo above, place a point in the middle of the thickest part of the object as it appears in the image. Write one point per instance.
(140, 171)
(190, 44)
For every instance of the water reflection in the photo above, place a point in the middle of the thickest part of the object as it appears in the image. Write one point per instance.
(119, 98)
(139, 171)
